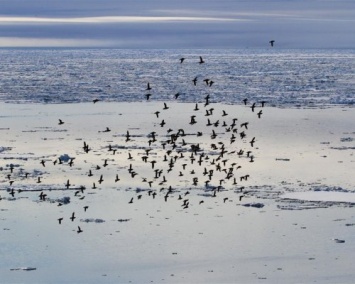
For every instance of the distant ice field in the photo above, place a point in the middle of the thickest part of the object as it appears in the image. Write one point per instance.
(283, 78)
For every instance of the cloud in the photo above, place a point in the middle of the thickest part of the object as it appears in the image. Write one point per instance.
(50, 42)
(111, 19)
(178, 24)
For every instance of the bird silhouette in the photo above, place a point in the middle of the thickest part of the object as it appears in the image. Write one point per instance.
(272, 43)
(252, 142)
(67, 185)
(72, 217)
(253, 107)
(195, 81)
(201, 60)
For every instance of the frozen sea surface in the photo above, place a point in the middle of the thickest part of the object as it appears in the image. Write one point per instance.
(292, 78)
(292, 237)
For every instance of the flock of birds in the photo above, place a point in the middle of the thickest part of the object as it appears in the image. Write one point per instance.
(175, 161)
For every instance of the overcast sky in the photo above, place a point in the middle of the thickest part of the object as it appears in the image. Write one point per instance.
(178, 23)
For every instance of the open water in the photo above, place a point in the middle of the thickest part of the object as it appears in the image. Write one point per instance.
(292, 78)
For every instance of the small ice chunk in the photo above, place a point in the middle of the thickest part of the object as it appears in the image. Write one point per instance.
(256, 205)
(65, 158)
(24, 268)
(92, 220)
(339, 241)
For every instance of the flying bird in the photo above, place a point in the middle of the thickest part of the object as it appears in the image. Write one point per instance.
(72, 217)
(194, 81)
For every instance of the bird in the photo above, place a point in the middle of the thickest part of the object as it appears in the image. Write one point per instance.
(148, 87)
(60, 220)
(107, 129)
(72, 217)
(128, 136)
(95, 101)
(182, 60)
(194, 81)
(201, 60)
(252, 142)
(60, 122)
(67, 185)
(272, 43)
(259, 113)
(193, 121)
(79, 230)
(85, 208)
(245, 124)
(42, 196)
(252, 107)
